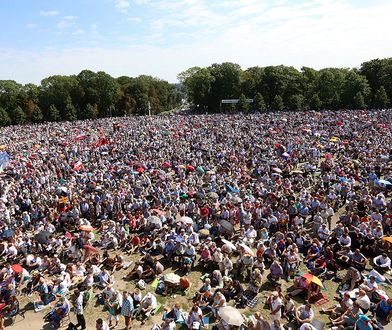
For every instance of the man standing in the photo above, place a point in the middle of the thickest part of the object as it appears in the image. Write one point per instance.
(127, 309)
(78, 309)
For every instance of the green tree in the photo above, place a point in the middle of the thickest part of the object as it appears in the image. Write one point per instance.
(243, 105)
(5, 119)
(56, 90)
(18, 116)
(296, 102)
(259, 102)
(359, 101)
(10, 95)
(315, 102)
(91, 111)
(381, 99)
(277, 103)
(69, 110)
(37, 116)
(54, 114)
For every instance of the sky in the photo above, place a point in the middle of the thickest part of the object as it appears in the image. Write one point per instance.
(161, 38)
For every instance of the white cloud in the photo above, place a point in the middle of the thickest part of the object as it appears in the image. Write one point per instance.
(79, 32)
(66, 22)
(122, 5)
(134, 19)
(31, 25)
(49, 13)
(316, 33)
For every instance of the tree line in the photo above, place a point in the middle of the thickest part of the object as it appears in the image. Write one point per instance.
(86, 95)
(286, 88)
(97, 94)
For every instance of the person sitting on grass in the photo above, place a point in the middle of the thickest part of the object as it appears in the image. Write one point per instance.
(383, 309)
(338, 309)
(349, 317)
(148, 304)
(382, 262)
(304, 314)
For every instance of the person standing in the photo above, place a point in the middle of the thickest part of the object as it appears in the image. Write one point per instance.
(127, 309)
(79, 309)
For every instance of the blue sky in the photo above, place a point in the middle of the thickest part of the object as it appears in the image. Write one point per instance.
(132, 37)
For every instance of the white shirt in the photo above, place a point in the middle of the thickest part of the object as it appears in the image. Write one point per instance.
(323, 233)
(309, 326)
(275, 304)
(364, 302)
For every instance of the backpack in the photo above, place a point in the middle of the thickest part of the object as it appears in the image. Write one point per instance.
(72, 326)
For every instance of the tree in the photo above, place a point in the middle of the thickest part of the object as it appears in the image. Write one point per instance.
(69, 110)
(54, 114)
(259, 102)
(91, 111)
(19, 116)
(359, 101)
(381, 99)
(243, 105)
(37, 115)
(277, 103)
(5, 119)
(315, 102)
(296, 102)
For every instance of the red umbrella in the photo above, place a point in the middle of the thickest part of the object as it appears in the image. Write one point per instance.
(160, 212)
(140, 170)
(68, 235)
(86, 228)
(17, 268)
(90, 248)
(190, 168)
(166, 165)
(328, 156)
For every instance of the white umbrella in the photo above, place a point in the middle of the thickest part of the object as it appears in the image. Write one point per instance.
(213, 195)
(231, 315)
(229, 244)
(277, 170)
(172, 278)
(187, 220)
(247, 249)
(153, 220)
(237, 200)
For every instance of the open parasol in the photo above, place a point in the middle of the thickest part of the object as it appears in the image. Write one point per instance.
(172, 278)
(276, 170)
(247, 249)
(86, 228)
(17, 268)
(226, 225)
(387, 239)
(313, 279)
(90, 248)
(153, 220)
(229, 244)
(187, 220)
(213, 195)
(43, 237)
(204, 232)
(8, 233)
(237, 200)
(231, 315)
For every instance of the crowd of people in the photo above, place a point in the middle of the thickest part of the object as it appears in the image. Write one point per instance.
(284, 202)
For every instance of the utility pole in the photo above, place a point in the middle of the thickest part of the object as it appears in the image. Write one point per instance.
(149, 108)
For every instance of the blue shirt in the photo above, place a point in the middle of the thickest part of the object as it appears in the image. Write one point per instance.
(127, 307)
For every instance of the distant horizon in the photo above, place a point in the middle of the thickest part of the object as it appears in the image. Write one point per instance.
(163, 38)
(178, 82)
